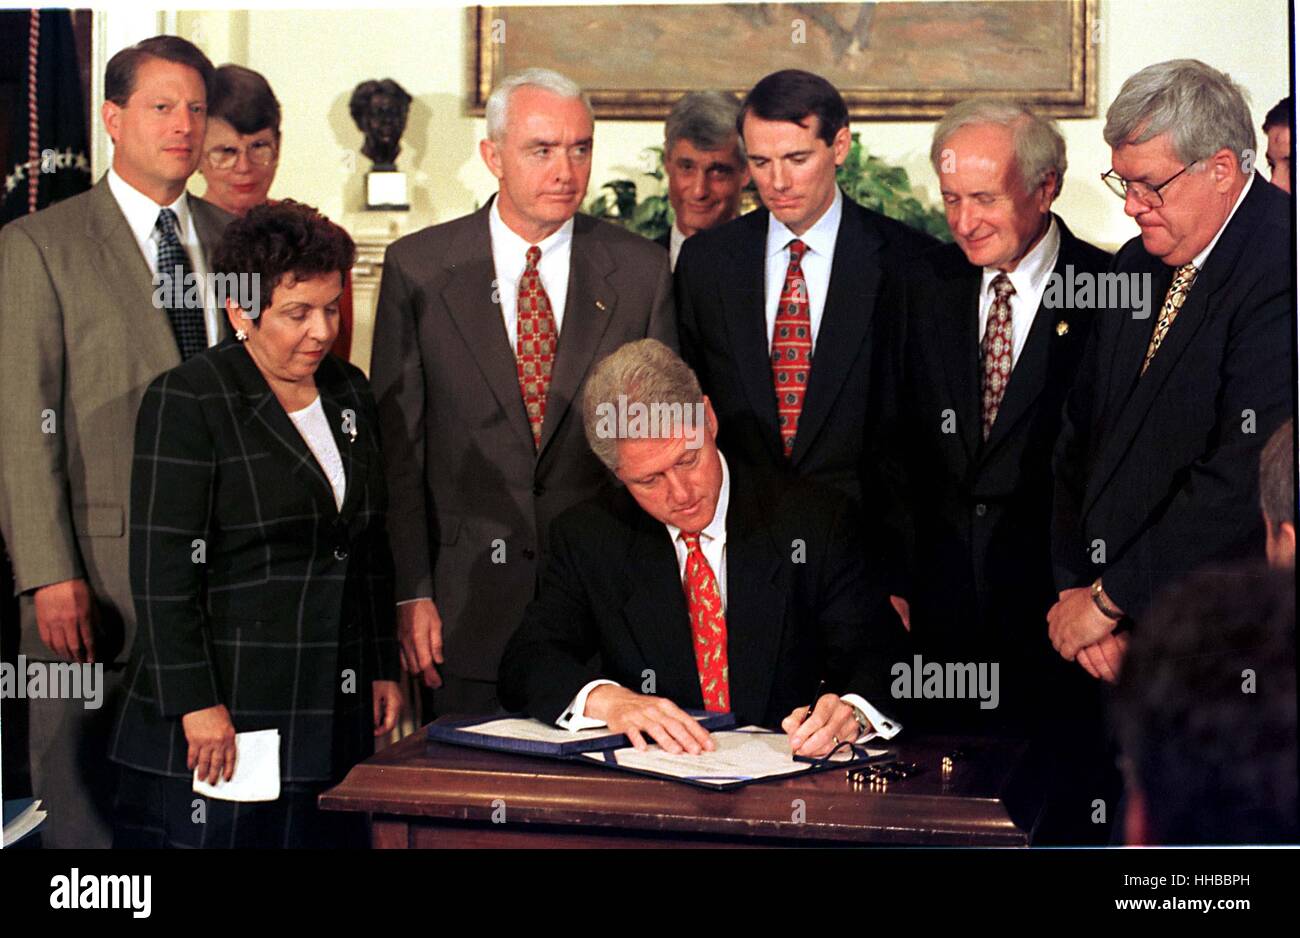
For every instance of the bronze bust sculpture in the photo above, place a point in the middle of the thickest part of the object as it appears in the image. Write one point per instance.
(379, 109)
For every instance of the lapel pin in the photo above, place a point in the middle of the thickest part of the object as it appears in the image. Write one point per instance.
(1062, 327)
(600, 305)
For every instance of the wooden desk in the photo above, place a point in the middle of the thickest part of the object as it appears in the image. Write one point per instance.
(423, 794)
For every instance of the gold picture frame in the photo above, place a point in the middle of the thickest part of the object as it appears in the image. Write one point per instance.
(926, 55)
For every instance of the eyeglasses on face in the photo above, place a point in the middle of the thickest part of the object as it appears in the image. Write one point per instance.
(1146, 193)
(260, 153)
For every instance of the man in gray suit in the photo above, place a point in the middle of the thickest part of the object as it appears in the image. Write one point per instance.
(84, 328)
(485, 329)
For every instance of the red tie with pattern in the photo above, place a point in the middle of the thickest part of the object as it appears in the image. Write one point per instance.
(792, 348)
(708, 627)
(997, 349)
(535, 344)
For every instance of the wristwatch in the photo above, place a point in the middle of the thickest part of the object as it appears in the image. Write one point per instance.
(1099, 600)
(863, 723)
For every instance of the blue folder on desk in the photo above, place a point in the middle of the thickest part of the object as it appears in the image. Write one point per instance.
(533, 737)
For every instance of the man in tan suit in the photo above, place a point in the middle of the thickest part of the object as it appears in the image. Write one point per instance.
(81, 337)
(482, 442)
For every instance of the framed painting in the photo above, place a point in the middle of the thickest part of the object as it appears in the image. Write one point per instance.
(891, 61)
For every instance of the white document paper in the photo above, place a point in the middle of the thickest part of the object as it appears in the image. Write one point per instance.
(534, 731)
(744, 754)
(257, 770)
(27, 821)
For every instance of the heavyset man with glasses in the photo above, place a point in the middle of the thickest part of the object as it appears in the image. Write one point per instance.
(1157, 460)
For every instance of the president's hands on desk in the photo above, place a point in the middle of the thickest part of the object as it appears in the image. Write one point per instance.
(637, 715)
(634, 714)
(832, 722)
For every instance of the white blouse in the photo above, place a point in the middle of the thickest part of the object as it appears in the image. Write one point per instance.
(314, 428)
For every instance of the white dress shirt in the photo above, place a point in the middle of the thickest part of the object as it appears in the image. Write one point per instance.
(675, 241)
(1030, 281)
(142, 216)
(713, 544)
(816, 265)
(509, 257)
(314, 428)
(1200, 259)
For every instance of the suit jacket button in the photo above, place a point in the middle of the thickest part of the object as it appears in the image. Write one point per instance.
(340, 553)
(529, 553)
(981, 510)
(539, 490)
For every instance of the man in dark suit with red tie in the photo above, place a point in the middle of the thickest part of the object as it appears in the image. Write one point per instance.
(989, 338)
(703, 584)
(485, 329)
(778, 310)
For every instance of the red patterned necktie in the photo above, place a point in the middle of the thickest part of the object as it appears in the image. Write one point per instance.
(708, 627)
(535, 343)
(997, 349)
(792, 348)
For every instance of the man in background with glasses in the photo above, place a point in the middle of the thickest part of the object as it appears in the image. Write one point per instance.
(1158, 455)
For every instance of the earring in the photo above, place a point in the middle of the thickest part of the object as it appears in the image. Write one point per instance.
(241, 335)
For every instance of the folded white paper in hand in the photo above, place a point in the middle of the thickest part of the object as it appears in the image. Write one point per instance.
(257, 770)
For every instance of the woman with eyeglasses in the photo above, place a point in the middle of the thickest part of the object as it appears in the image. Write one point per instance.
(241, 153)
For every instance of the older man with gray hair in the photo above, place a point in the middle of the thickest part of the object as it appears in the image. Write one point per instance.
(485, 330)
(705, 162)
(701, 585)
(986, 349)
(1156, 466)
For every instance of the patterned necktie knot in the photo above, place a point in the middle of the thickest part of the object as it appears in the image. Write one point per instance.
(532, 257)
(166, 223)
(797, 249)
(692, 541)
(1002, 286)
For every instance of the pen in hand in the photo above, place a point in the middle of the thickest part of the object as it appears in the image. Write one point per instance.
(821, 686)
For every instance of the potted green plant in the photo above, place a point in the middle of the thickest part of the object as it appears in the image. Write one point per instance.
(866, 179)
